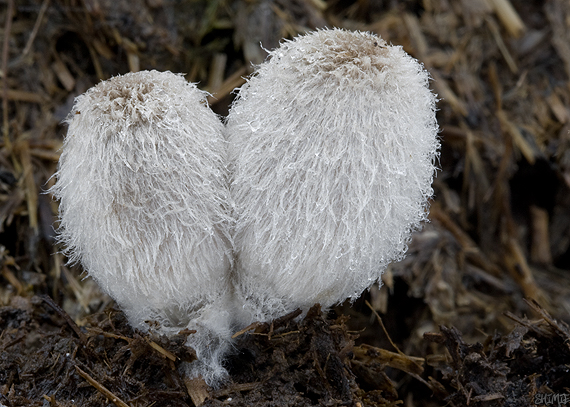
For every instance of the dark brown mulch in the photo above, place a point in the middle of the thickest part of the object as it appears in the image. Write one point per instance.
(46, 357)
(499, 231)
(522, 368)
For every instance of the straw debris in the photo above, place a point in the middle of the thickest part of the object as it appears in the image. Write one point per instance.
(499, 231)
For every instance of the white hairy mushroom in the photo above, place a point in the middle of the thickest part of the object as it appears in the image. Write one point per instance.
(143, 190)
(333, 143)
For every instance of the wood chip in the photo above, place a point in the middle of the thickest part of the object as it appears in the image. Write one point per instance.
(161, 350)
(540, 245)
(25, 96)
(523, 145)
(559, 109)
(63, 74)
(197, 390)
(102, 389)
(509, 17)
(30, 183)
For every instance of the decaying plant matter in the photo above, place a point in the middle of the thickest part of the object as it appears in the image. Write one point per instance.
(499, 221)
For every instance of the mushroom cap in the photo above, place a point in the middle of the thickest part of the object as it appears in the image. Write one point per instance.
(333, 144)
(144, 202)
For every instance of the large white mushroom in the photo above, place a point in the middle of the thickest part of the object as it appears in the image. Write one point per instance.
(333, 144)
(144, 199)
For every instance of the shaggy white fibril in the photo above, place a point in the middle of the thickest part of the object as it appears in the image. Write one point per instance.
(333, 143)
(143, 190)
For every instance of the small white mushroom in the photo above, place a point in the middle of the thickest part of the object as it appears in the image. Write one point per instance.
(333, 143)
(144, 197)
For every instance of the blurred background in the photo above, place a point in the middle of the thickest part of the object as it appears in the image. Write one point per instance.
(500, 220)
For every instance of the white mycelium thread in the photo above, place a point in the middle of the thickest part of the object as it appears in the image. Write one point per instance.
(333, 143)
(144, 197)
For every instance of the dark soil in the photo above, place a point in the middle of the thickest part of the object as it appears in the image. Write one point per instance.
(476, 315)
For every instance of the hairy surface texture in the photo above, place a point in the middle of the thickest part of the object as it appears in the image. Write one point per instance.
(333, 143)
(143, 190)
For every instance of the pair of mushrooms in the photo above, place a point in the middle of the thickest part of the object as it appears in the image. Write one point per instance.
(311, 187)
